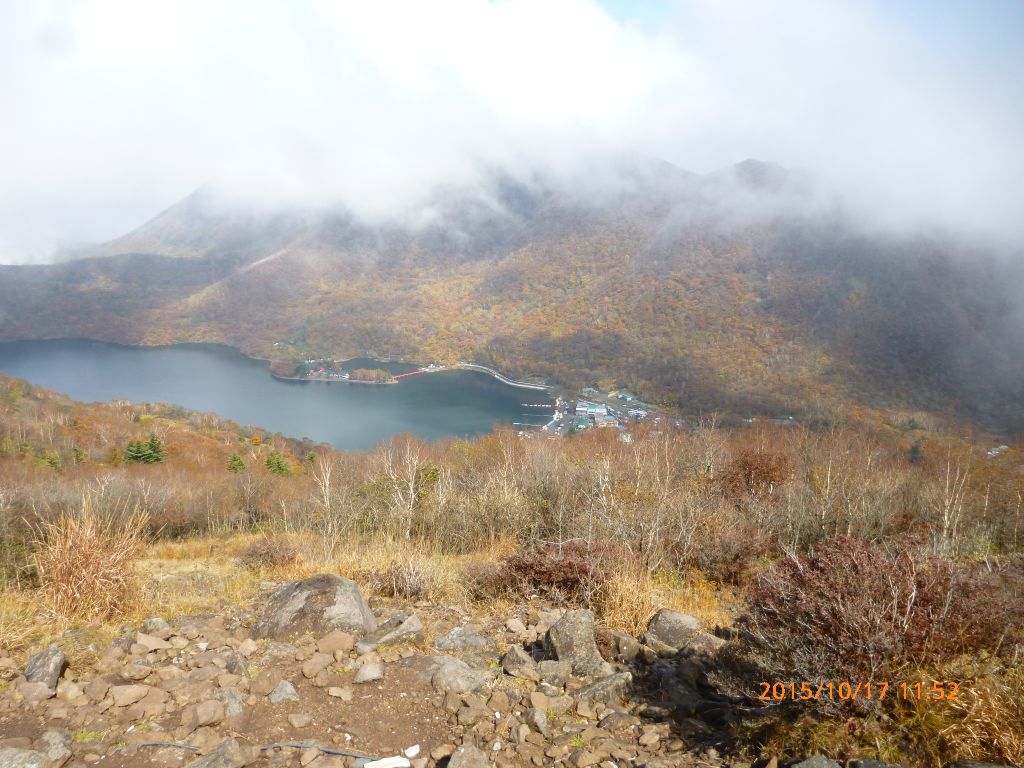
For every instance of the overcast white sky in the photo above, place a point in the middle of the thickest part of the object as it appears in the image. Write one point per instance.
(115, 109)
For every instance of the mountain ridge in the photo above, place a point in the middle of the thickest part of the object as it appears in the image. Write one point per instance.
(741, 290)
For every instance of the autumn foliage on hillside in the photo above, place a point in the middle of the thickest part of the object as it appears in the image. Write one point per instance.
(856, 551)
(664, 290)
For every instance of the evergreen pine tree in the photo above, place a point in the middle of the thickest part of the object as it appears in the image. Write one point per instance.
(276, 464)
(149, 452)
(235, 463)
(154, 449)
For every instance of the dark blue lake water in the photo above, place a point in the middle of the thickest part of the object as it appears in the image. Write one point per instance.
(221, 380)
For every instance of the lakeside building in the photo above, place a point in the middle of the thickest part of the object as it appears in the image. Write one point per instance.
(587, 408)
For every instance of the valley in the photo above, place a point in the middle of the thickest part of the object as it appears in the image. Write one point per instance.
(659, 284)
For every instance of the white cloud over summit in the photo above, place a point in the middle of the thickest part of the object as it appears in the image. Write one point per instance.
(114, 109)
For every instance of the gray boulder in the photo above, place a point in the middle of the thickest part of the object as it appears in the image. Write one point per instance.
(817, 761)
(607, 689)
(409, 631)
(283, 691)
(46, 667)
(57, 746)
(317, 605)
(671, 629)
(157, 627)
(457, 676)
(461, 640)
(571, 639)
(228, 754)
(22, 758)
(519, 663)
(468, 756)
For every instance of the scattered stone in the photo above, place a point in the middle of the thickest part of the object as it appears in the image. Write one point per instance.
(283, 691)
(126, 695)
(345, 694)
(515, 626)
(461, 640)
(627, 648)
(611, 688)
(156, 626)
(97, 690)
(468, 756)
(228, 754)
(136, 672)
(299, 719)
(336, 641)
(233, 701)
(457, 676)
(671, 629)
(248, 647)
(68, 690)
(409, 631)
(571, 639)
(499, 702)
(519, 663)
(209, 712)
(46, 667)
(265, 682)
(22, 758)
(316, 664)
(554, 673)
(151, 642)
(368, 673)
(649, 739)
(537, 719)
(540, 700)
(56, 746)
(817, 761)
(35, 692)
(583, 758)
(317, 604)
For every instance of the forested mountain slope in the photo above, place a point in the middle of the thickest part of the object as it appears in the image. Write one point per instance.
(738, 291)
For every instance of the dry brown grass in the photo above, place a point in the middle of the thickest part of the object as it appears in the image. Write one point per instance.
(988, 720)
(628, 600)
(269, 553)
(84, 562)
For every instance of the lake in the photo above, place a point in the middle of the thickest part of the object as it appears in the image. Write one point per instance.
(225, 382)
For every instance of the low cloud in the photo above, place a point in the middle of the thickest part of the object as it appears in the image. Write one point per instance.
(116, 109)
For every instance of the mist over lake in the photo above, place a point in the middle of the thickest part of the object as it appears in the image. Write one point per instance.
(225, 382)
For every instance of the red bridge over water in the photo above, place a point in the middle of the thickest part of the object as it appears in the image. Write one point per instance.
(410, 373)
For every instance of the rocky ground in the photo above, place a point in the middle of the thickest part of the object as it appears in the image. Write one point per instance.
(316, 678)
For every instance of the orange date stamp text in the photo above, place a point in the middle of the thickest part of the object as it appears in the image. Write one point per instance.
(848, 690)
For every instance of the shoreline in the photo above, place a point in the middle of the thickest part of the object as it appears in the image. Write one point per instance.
(330, 381)
(269, 362)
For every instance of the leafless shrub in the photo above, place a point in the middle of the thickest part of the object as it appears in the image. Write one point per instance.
(268, 553)
(410, 579)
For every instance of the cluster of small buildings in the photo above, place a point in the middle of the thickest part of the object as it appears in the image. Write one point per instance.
(589, 412)
(324, 369)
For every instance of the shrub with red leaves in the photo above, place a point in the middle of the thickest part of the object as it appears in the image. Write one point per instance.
(858, 611)
(572, 570)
